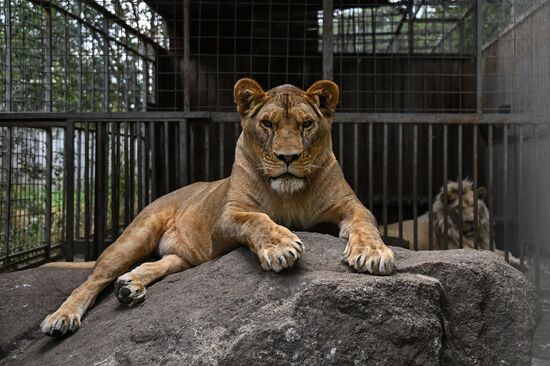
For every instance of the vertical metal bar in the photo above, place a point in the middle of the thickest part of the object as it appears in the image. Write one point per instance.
(475, 168)
(145, 83)
(445, 196)
(410, 29)
(154, 168)
(166, 159)
(78, 181)
(127, 177)
(184, 152)
(132, 170)
(146, 163)
(66, 64)
(68, 247)
(47, 58)
(140, 166)
(415, 187)
(341, 145)
(87, 199)
(8, 55)
(505, 192)
(115, 175)
(7, 212)
(370, 168)
(80, 69)
(430, 187)
(100, 189)
(519, 194)
(48, 198)
(356, 158)
(490, 187)
(222, 151)
(385, 180)
(400, 181)
(479, 48)
(186, 55)
(106, 71)
(460, 206)
(192, 162)
(327, 40)
(536, 238)
(207, 151)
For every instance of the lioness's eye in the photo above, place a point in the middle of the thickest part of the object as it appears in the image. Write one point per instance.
(266, 123)
(308, 123)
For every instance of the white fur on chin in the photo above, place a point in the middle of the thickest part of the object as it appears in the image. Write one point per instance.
(287, 185)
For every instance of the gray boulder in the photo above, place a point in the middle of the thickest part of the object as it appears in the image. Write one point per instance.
(439, 308)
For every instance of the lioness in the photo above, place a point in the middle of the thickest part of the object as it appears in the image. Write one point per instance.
(285, 175)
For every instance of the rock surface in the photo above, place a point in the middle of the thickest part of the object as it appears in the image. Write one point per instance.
(440, 308)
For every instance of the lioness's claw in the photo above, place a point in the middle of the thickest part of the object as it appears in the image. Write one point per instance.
(282, 251)
(59, 323)
(375, 258)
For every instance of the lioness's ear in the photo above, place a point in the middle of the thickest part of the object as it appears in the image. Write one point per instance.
(247, 94)
(481, 192)
(326, 94)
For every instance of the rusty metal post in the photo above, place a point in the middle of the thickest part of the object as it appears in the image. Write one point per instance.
(328, 65)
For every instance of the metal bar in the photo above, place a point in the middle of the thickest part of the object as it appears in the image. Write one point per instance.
(232, 117)
(519, 194)
(8, 55)
(459, 181)
(78, 181)
(186, 55)
(87, 199)
(66, 65)
(536, 238)
(132, 171)
(47, 58)
(100, 189)
(505, 192)
(207, 151)
(479, 54)
(154, 169)
(415, 187)
(141, 170)
(490, 188)
(475, 178)
(410, 31)
(356, 157)
(385, 181)
(146, 163)
(48, 193)
(328, 48)
(80, 70)
(445, 183)
(400, 181)
(370, 168)
(106, 71)
(68, 247)
(166, 158)
(115, 175)
(221, 157)
(127, 177)
(8, 192)
(341, 145)
(184, 152)
(430, 188)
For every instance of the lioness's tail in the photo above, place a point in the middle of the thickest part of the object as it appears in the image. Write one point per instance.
(70, 265)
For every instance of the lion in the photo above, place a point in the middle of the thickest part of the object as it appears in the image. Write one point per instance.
(454, 224)
(285, 176)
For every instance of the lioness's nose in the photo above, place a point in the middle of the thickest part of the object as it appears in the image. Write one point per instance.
(288, 158)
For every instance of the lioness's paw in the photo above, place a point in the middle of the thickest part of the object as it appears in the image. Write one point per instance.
(129, 290)
(59, 323)
(282, 250)
(372, 258)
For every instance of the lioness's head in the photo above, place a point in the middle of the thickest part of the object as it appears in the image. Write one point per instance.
(453, 202)
(288, 129)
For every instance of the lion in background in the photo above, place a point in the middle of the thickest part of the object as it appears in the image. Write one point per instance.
(285, 176)
(451, 240)
(454, 224)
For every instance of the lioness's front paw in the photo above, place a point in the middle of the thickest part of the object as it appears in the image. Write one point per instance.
(59, 323)
(281, 251)
(374, 258)
(129, 290)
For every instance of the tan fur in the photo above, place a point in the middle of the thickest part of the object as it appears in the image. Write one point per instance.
(451, 240)
(285, 175)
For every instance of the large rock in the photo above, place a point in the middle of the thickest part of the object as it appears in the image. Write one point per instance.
(440, 308)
